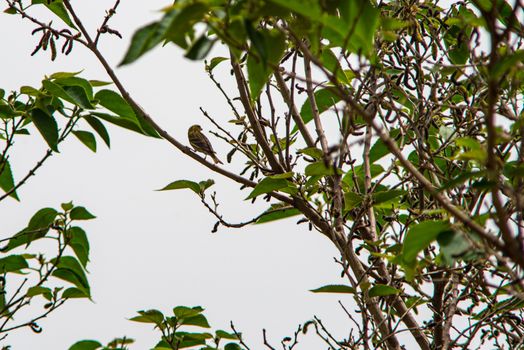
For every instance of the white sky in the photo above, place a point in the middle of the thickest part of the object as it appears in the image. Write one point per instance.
(154, 249)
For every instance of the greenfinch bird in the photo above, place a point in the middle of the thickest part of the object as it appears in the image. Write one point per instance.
(201, 143)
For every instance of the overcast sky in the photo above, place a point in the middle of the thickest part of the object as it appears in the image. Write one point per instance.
(154, 249)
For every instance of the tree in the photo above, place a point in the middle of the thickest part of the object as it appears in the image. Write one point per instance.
(389, 127)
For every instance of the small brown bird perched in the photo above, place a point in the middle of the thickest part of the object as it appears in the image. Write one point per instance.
(201, 143)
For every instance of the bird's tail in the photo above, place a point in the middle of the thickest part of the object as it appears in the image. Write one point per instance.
(215, 159)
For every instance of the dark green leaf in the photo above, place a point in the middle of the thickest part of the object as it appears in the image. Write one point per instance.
(99, 128)
(47, 127)
(184, 311)
(258, 69)
(386, 196)
(149, 316)
(225, 335)
(74, 293)
(334, 288)
(6, 178)
(87, 138)
(198, 320)
(332, 64)
(122, 122)
(200, 48)
(215, 61)
(58, 8)
(307, 8)
(74, 81)
(74, 94)
(37, 228)
(12, 263)
(181, 26)
(79, 243)
(116, 104)
(69, 269)
(38, 290)
(204, 185)
(232, 346)
(147, 37)
(80, 213)
(268, 185)
(379, 149)
(86, 345)
(276, 213)
(181, 184)
(42, 219)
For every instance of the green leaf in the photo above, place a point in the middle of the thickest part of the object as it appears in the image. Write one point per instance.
(379, 148)
(149, 316)
(47, 127)
(146, 38)
(232, 346)
(215, 61)
(313, 152)
(79, 243)
(307, 8)
(86, 345)
(184, 311)
(87, 138)
(268, 185)
(198, 320)
(80, 213)
(420, 236)
(67, 206)
(382, 290)
(325, 99)
(354, 28)
(200, 48)
(38, 290)
(352, 200)
(181, 184)
(121, 122)
(115, 103)
(58, 8)
(258, 69)
(455, 246)
(6, 178)
(74, 94)
(99, 128)
(42, 219)
(319, 168)
(74, 81)
(74, 293)
(70, 270)
(276, 213)
(181, 25)
(386, 196)
(334, 288)
(62, 75)
(225, 335)
(258, 41)
(37, 228)
(332, 64)
(204, 185)
(12, 263)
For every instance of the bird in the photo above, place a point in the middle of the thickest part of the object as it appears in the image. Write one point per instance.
(201, 143)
